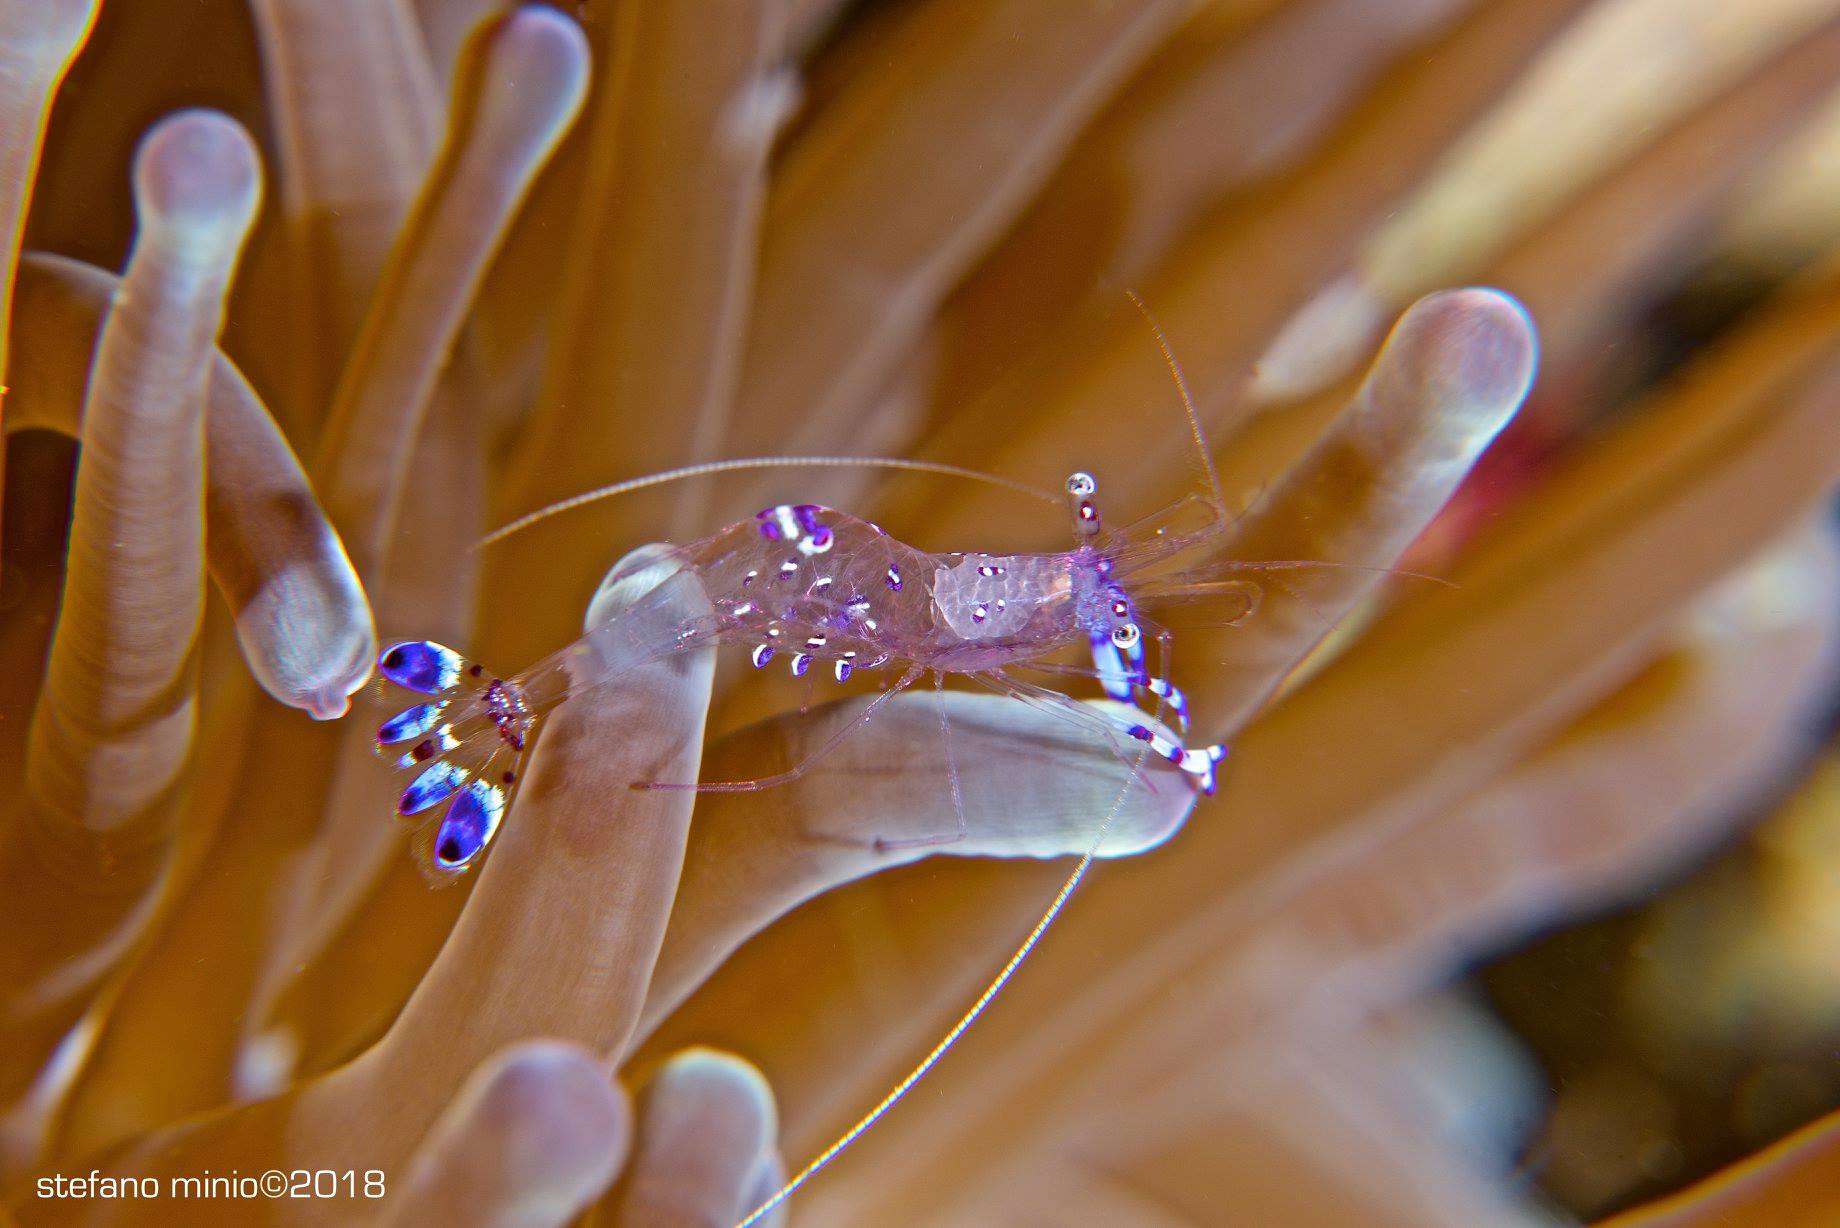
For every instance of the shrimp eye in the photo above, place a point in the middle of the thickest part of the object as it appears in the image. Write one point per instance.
(1120, 609)
(1081, 485)
(1125, 636)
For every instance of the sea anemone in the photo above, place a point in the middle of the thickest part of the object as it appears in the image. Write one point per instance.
(392, 274)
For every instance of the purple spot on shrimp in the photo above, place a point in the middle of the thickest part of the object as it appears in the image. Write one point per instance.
(1175, 755)
(434, 786)
(807, 516)
(894, 579)
(762, 654)
(800, 663)
(410, 723)
(469, 825)
(420, 665)
(820, 539)
(843, 671)
(769, 524)
(1140, 732)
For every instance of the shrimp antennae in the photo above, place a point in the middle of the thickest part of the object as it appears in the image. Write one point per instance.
(971, 1016)
(756, 462)
(1188, 400)
(1183, 582)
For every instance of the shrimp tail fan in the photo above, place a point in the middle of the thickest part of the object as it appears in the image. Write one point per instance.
(464, 739)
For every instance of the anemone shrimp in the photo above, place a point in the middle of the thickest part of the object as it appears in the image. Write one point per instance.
(816, 587)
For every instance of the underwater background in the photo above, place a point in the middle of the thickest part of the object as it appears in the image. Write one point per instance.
(1517, 901)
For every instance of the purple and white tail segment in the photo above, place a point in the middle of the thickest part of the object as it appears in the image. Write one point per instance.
(473, 775)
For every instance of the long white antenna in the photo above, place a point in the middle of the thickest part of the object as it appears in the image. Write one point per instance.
(757, 462)
(958, 1029)
(1188, 400)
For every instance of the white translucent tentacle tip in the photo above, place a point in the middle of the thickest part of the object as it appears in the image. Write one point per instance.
(1473, 351)
(198, 175)
(536, 75)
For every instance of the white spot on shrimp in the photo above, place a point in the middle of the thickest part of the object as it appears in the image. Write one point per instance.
(843, 671)
(788, 567)
(762, 654)
(894, 579)
(800, 663)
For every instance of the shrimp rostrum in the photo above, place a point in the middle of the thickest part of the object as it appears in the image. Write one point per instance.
(822, 590)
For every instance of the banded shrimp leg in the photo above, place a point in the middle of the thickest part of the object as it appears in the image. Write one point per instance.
(1197, 762)
(1157, 688)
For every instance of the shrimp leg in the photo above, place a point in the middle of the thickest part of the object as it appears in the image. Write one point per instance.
(802, 766)
(958, 796)
(1198, 763)
(1169, 691)
(1071, 710)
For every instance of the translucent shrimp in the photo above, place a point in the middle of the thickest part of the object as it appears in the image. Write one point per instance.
(829, 594)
